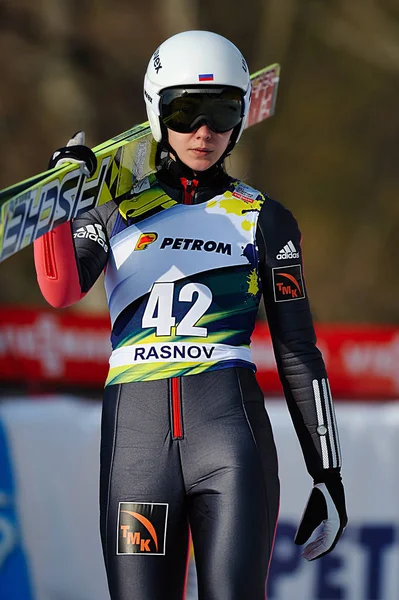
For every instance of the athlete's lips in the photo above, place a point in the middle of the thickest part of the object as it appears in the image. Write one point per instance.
(201, 150)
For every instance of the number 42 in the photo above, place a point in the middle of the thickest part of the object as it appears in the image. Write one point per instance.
(158, 312)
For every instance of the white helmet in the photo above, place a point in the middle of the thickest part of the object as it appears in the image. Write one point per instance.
(194, 58)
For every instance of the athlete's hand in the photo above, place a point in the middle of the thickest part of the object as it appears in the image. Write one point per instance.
(77, 153)
(325, 507)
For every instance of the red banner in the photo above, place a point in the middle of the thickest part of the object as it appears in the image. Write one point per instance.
(53, 346)
(362, 361)
(69, 348)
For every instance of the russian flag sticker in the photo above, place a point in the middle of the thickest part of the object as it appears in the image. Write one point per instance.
(205, 77)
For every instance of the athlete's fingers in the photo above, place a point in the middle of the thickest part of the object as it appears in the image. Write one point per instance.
(314, 514)
(78, 139)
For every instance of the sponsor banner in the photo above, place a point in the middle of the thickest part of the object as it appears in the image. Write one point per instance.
(64, 554)
(362, 361)
(54, 346)
(69, 347)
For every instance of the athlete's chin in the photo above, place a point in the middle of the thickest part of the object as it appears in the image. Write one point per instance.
(200, 163)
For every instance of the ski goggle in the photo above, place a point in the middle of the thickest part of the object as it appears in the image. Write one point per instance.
(185, 109)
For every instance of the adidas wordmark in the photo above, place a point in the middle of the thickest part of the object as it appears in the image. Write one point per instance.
(92, 232)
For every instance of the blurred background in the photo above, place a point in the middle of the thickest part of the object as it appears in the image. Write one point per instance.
(330, 154)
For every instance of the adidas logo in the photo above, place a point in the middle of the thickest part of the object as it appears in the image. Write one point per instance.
(94, 233)
(289, 251)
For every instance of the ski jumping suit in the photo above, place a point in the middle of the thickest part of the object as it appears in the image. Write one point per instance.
(186, 443)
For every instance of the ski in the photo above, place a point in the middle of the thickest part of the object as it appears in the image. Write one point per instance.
(36, 205)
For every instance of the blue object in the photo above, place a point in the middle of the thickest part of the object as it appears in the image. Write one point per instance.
(14, 575)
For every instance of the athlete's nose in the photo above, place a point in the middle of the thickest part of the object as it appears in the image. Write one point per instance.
(203, 132)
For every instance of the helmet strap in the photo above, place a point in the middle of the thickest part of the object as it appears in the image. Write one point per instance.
(231, 144)
(166, 148)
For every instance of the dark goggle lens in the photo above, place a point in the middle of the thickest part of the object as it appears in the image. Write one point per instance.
(185, 110)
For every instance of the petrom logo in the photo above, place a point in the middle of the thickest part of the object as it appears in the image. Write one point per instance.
(142, 528)
(145, 240)
(195, 244)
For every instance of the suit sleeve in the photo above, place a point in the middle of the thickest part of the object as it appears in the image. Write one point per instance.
(70, 258)
(300, 364)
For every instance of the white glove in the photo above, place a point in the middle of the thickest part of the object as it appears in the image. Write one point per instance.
(77, 153)
(325, 507)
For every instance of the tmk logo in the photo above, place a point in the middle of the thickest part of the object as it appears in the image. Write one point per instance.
(133, 538)
(142, 528)
(292, 290)
(94, 233)
(288, 283)
(157, 61)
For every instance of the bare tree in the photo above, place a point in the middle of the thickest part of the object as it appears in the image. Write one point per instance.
(364, 28)
(177, 15)
(59, 88)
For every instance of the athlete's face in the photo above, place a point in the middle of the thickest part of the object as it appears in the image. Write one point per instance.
(200, 149)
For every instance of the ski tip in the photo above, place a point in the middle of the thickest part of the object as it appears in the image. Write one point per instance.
(264, 94)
